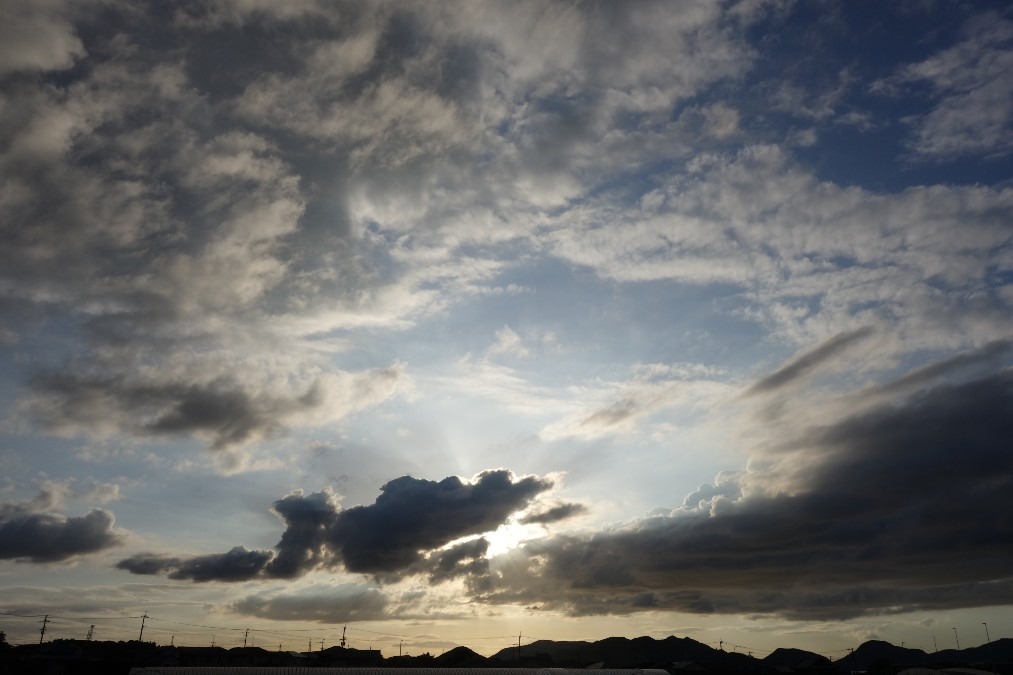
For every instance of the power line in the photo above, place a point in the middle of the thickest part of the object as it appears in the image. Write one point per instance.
(69, 618)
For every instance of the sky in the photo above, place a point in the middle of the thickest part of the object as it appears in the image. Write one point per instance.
(470, 322)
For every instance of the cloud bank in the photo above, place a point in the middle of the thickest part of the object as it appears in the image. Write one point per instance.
(894, 508)
(401, 533)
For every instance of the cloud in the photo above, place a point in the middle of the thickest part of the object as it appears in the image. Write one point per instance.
(604, 408)
(804, 364)
(971, 362)
(823, 259)
(149, 563)
(972, 113)
(26, 534)
(237, 564)
(413, 515)
(183, 253)
(554, 514)
(307, 520)
(899, 507)
(37, 36)
(401, 533)
(223, 411)
(465, 559)
(322, 603)
(508, 343)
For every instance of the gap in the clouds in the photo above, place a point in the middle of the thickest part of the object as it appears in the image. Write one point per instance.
(575, 325)
(600, 323)
(857, 135)
(813, 40)
(874, 160)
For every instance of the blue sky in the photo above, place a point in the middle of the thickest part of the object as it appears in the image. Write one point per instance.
(462, 320)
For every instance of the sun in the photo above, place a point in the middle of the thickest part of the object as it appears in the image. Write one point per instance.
(509, 536)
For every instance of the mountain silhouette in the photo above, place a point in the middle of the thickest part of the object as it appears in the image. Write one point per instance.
(874, 655)
(620, 652)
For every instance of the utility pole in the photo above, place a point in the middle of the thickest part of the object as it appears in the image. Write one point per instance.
(343, 636)
(91, 632)
(957, 637)
(518, 647)
(987, 638)
(321, 645)
(172, 641)
(400, 646)
(935, 646)
(309, 646)
(245, 635)
(143, 619)
(45, 620)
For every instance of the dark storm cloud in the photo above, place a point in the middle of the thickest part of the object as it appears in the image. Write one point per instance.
(412, 515)
(237, 564)
(905, 506)
(808, 362)
(49, 537)
(398, 535)
(149, 563)
(465, 559)
(307, 521)
(555, 514)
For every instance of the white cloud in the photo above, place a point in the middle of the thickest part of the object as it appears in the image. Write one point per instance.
(813, 259)
(508, 343)
(37, 35)
(622, 407)
(973, 113)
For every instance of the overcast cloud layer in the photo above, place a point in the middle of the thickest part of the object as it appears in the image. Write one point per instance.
(386, 310)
